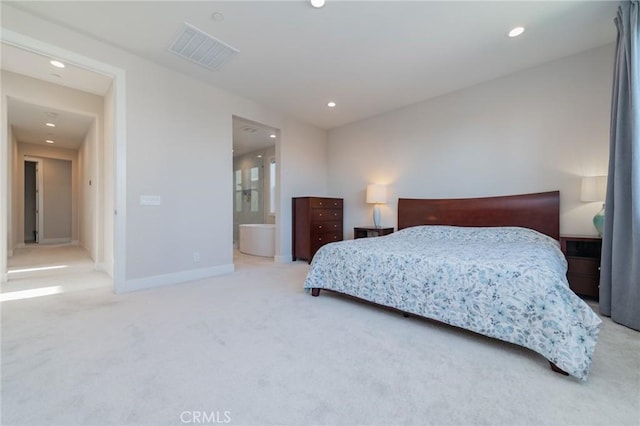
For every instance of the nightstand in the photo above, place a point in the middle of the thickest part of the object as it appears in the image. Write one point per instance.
(583, 256)
(371, 231)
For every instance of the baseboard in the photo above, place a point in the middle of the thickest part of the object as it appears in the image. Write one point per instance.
(175, 278)
(56, 241)
(283, 259)
(50, 241)
(104, 267)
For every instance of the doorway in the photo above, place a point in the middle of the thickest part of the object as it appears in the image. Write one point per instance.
(48, 201)
(107, 165)
(255, 177)
(32, 201)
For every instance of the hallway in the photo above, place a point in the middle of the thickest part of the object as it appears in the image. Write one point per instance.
(40, 270)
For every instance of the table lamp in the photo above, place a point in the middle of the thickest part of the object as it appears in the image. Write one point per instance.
(594, 188)
(376, 194)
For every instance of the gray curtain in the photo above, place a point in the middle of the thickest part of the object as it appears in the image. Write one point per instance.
(620, 271)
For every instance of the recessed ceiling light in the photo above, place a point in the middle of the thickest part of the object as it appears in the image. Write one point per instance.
(331, 104)
(49, 141)
(317, 3)
(272, 135)
(259, 156)
(56, 64)
(516, 31)
(50, 125)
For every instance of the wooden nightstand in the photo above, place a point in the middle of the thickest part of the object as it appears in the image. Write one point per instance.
(371, 231)
(583, 256)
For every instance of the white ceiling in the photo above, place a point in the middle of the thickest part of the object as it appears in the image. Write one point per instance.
(368, 56)
(37, 66)
(28, 121)
(28, 124)
(250, 136)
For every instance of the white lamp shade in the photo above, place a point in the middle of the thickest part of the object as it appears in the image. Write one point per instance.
(594, 188)
(376, 193)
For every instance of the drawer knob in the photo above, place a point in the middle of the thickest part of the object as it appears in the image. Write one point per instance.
(320, 202)
(319, 238)
(320, 214)
(319, 226)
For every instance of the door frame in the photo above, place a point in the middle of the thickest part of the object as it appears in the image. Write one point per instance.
(39, 198)
(118, 76)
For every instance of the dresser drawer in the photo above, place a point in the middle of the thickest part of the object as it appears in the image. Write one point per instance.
(325, 203)
(585, 285)
(584, 266)
(323, 227)
(325, 214)
(319, 240)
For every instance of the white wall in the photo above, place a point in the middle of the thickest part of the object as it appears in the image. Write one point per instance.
(14, 197)
(270, 154)
(106, 184)
(59, 205)
(537, 130)
(178, 146)
(87, 193)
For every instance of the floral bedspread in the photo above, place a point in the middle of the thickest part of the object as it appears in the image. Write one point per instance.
(508, 283)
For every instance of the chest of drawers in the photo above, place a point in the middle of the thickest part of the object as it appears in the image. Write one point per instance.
(316, 222)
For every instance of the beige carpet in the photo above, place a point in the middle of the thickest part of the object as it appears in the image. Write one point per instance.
(251, 348)
(59, 268)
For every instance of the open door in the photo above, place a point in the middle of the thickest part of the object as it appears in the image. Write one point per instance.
(32, 200)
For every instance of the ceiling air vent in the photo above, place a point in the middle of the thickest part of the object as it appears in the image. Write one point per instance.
(201, 48)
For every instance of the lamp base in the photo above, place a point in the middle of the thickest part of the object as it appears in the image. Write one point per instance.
(598, 220)
(376, 216)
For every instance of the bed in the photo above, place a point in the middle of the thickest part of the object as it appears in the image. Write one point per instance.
(489, 265)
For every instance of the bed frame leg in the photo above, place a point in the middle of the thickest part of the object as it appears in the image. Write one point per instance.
(315, 292)
(557, 369)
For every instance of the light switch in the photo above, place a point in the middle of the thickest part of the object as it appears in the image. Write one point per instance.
(150, 200)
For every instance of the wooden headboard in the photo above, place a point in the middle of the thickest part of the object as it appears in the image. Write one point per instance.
(540, 212)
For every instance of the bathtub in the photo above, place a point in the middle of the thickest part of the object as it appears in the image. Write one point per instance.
(258, 239)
